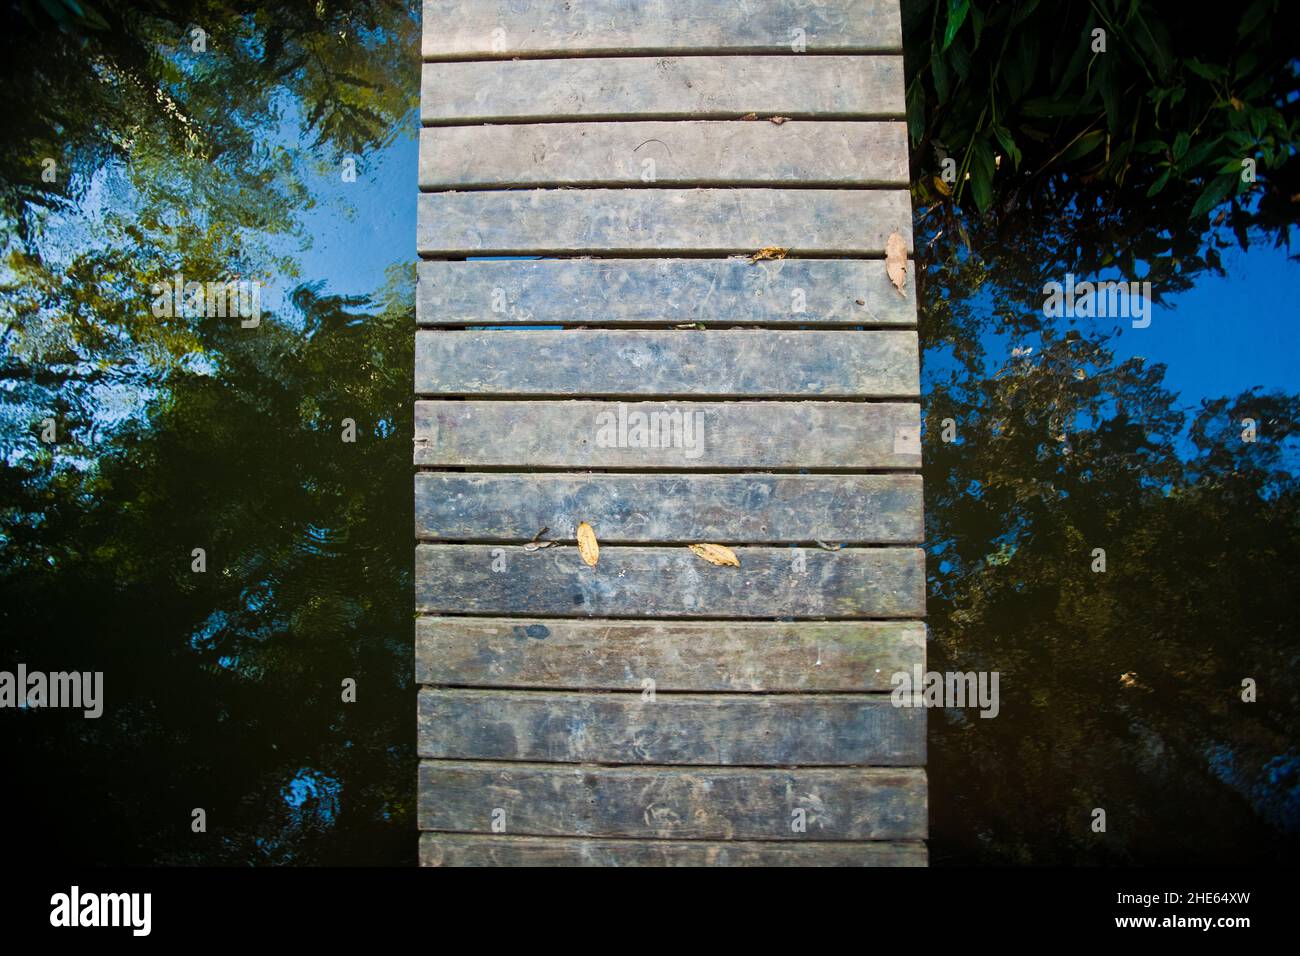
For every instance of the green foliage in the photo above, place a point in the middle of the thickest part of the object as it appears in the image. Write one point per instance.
(168, 161)
(1037, 119)
(226, 684)
(1119, 689)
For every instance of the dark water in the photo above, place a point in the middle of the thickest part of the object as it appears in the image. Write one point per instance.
(225, 688)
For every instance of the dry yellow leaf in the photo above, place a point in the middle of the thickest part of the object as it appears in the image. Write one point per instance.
(587, 546)
(896, 261)
(778, 120)
(942, 186)
(717, 554)
(769, 252)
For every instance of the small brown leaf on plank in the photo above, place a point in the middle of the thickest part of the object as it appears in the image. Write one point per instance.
(750, 116)
(896, 261)
(778, 120)
(768, 252)
(587, 546)
(716, 554)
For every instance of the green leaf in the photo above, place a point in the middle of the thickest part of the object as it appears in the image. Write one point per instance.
(1214, 194)
(1084, 145)
(1253, 17)
(1074, 66)
(1199, 153)
(916, 113)
(1159, 184)
(1207, 71)
(957, 10)
(1258, 123)
(959, 59)
(1008, 144)
(1181, 142)
(1153, 40)
(977, 24)
(1022, 66)
(939, 70)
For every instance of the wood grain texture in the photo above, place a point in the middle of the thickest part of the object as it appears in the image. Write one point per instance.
(674, 803)
(688, 435)
(657, 709)
(731, 656)
(656, 509)
(670, 582)
(693, 153)
(812, 292)
(690, 87)
(473, 849)
(462, 29)
(715, 730)
(730, 363)
(808, 222)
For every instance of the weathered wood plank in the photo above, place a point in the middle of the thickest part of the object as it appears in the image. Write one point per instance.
(478, 849)
(670, 582)
(664, 154)
(738, 656)
(658, 509)
(462, 29)
(690, 87)
(674, 803)
(688, 435)
(715, 730)
(734, 291)
(725, 363)
(663, 221)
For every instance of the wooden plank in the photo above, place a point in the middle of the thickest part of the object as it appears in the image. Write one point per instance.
(688, 435)
(478, 849)
(674, 803)
(670, 582)
(690, 87)
(661, 509)
(812, 292)
(716, 730)
(463, 29)
(807, 222)
(737, 656)
(720, 363)
(664, 154)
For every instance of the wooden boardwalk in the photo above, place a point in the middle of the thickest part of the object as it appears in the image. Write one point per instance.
(642, 375)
